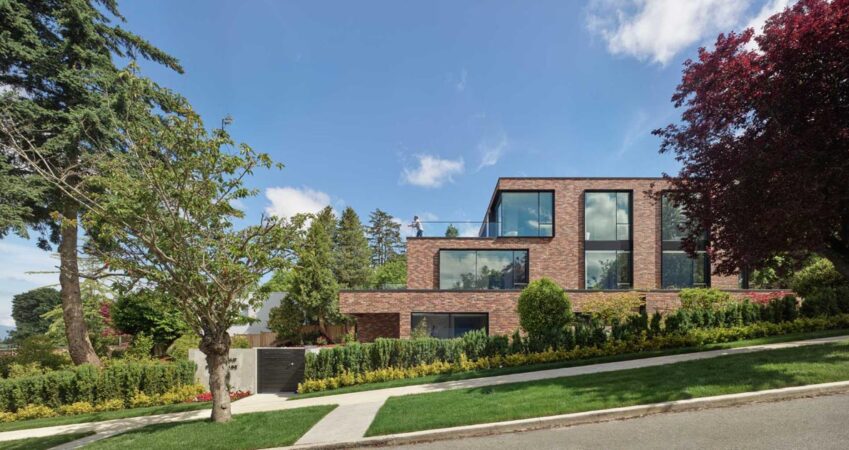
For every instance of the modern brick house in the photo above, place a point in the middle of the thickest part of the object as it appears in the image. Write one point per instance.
(587, 234)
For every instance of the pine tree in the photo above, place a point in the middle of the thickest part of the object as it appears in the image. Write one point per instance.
(352, 253)
(57, 68)
(452, 231)
(313, 285)
(384, 237)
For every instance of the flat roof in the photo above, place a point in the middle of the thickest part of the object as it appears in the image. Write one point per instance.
(581, 178)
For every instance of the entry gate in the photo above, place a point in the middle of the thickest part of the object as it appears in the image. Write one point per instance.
(279, 369)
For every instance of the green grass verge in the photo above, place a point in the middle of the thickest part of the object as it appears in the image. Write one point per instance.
(101, 416)
(40, 443)
(573, 363)
(244, 432)
(716, 376)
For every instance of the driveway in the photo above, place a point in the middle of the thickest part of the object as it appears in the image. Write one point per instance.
(815, 423)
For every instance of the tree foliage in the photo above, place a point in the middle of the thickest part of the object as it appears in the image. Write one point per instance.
(393, 272)
(27, 311)
(384, 235)
(97, 301)
(351, 252)
(58, 76)
(764, 140)
(149, 313)
(452, 231)
(312, 285)
(286, 320)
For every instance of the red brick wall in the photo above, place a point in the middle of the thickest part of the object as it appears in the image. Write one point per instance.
(372, 326)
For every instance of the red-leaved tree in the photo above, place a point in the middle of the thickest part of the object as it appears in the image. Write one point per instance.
(764, 139)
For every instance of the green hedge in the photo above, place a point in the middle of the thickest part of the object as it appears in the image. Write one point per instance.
(778, 310)
(87, 383)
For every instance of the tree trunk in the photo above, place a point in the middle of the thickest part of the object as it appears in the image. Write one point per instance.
(217, 351)
(839, 256)
(79, 345)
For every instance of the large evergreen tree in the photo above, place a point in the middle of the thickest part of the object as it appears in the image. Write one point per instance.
(384, 236)
(58, 73)
(27, 309)
(353, 256)
(312, 284)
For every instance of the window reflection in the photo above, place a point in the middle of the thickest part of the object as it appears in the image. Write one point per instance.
(483, 269)
(525, 214)
(449, 325)
(608, 269)
(678, 269)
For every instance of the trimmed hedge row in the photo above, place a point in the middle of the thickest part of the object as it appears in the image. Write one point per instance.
(784, 309)
(86, 383)
(642, 343)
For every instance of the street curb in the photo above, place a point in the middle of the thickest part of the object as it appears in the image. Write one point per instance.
(604, 415)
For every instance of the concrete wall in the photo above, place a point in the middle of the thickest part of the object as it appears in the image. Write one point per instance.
(242, 368)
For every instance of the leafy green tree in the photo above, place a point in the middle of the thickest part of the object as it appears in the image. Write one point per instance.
(313, 286)
(452, 231)
(97, 305)
(149, 313)
(57, 68)
(384, 235)
(544, 311)
(286, 320)
(162, 214)
(351, 251)
(27, 310)
(394, 272)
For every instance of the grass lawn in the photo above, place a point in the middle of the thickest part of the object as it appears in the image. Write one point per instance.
(716, 376)
(101, 416)
(245, 431)
(41, 443)
(572, 363)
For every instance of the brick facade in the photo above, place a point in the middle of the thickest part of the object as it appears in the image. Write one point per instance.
(372, 326)
(560, 257)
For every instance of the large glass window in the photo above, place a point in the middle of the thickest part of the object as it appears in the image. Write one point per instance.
(483, 269)
(525, 214)
(608, 269)
(607, 240)
(678, 269)
(449, 325)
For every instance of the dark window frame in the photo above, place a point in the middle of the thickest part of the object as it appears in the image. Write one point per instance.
(527, 266)
(493, 212)
(450, 319)
(618, 245)
(676, 247)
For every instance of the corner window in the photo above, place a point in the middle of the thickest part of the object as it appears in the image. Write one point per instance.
(524, 214)
(678, 269)
(483, 269)
(607, 240)
(448, 325)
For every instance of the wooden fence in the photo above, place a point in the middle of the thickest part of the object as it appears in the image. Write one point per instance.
(267, 338)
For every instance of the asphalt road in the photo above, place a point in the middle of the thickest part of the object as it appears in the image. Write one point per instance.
(815, 423)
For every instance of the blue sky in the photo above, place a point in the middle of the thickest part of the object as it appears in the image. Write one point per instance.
(419, 108)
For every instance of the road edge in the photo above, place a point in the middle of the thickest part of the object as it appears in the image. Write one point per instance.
(604, 415)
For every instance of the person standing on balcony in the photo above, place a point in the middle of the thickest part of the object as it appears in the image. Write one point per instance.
(417, 224)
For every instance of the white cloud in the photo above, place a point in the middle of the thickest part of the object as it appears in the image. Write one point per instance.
(18, 262)
(460, 85)
(659, 29)
(492, 151)
(432, 171)
(288, 201)
(767, 11)
(468, 229)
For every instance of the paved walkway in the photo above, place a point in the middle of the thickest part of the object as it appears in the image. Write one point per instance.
(356, 410)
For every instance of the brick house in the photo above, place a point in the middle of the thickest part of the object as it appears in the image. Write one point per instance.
(587, 234)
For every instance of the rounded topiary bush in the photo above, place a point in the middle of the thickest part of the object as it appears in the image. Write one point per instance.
(544, 311)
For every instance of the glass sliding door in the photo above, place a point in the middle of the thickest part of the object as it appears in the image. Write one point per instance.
(483, 269)
(448, 325)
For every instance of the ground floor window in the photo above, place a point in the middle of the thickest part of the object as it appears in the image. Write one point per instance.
(679, 270)
(607, 269)
(448, 325)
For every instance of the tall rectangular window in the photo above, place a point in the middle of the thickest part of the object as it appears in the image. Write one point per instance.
(524, 214)
(483, 269)
(607, 240)
(678, 269)
(449, 325)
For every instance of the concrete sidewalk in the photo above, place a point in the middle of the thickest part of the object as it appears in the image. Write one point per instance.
(356, 410)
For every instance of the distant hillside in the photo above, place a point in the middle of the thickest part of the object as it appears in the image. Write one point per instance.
(4, 331)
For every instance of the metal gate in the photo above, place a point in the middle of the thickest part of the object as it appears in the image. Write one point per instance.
(279, 369)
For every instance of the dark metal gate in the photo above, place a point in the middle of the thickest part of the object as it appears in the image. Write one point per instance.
(279, 369)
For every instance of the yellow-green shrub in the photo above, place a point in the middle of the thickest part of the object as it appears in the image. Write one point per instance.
(140, 400)
(34, 412)
(6, 417)
(607, 306)
(109, 405)
(75, 408)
